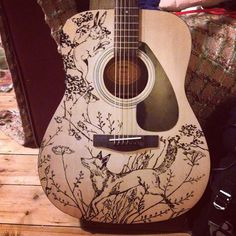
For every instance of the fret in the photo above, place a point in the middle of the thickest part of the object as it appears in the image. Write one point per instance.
(124, 38)
(134, 30)
(128, 48)
(126, 3)
(127, 43)
(126, 11)
(127, 15)
(130, 36)
(127, 8)
(127, 23)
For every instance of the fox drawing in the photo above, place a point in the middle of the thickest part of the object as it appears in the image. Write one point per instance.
(106, 183)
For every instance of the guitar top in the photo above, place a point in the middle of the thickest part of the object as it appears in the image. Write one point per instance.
(124, 146)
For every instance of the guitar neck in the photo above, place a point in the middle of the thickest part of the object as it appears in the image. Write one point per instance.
(126, 27)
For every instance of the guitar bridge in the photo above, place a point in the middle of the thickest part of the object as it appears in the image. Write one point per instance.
(125, 143)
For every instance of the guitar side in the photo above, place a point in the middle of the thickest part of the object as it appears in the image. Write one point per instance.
(107, 185)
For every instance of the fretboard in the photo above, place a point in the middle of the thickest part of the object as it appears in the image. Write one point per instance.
(126, 39)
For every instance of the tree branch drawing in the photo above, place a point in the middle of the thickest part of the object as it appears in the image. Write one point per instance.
(192, 158)
(44, 159)
(111, 201)
(62, 151)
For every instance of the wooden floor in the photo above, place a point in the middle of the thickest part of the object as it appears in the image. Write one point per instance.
(24, 207)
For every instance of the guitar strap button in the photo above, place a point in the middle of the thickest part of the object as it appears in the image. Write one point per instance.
(222, 200)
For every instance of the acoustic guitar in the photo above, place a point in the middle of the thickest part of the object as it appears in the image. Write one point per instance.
(124, 146)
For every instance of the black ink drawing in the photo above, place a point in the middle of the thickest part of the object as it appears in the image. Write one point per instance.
(149, 172)
(113, 201)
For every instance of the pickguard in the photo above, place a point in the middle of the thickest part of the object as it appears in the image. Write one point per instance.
(159, 111)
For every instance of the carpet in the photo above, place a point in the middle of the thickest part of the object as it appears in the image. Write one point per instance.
(10, 120)
(11, 125)
(6, 84)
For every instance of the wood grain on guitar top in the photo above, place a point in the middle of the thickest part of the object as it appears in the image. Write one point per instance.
(113, 183)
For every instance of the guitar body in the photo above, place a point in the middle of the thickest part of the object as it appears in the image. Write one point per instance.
(110, 159)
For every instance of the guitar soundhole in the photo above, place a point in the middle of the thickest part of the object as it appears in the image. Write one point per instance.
(125, 78)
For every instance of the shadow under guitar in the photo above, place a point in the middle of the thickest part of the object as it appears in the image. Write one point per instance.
(176, 225)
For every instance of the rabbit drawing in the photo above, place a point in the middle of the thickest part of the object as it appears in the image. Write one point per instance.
(88, 41)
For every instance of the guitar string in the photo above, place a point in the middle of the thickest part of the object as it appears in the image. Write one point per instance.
(127, 48)
(120, 72)
(120, 64)
(124, 33)
(116, 61)
(136, 50)
(132, 60)
(132, 49)
(124, 68)
(124, 49)
(120, 69)
(128, 57)
(117, 71)
(133, 34)
(125, 64)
